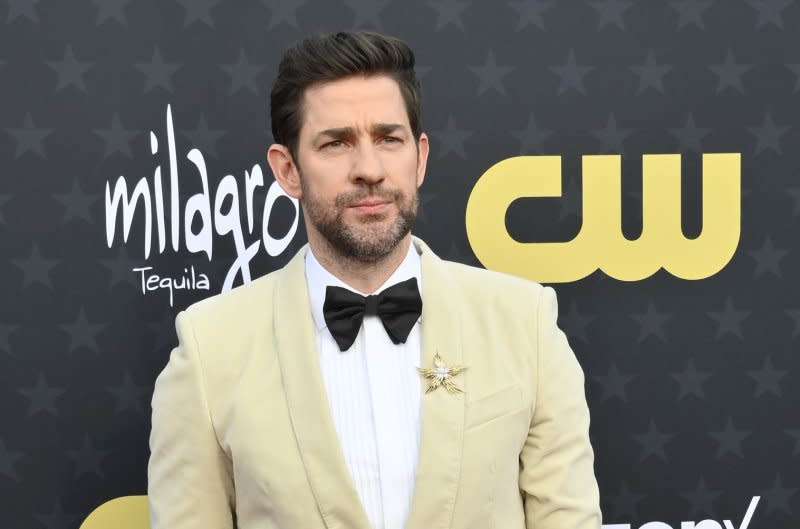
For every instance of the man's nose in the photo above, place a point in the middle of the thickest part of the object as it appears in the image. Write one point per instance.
(367, 165)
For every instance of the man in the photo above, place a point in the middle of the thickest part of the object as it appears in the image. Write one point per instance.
(327, 393)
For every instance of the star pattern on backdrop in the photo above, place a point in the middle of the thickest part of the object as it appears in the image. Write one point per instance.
(22, 8)
(6, 331)
(243, 74)
(768, 135)
(768, 259)
(612, 137)
(129, 396)
(82, 333)
(576, 323)
(451, 139)
(729, 320)
(88, 459)
(158, 74)
(490, 75)
(767, 379)
(611, 12)
(77, 202)
(36, 268)
(29, 137)
(794, 314)
(57, 518)
(769, 12)
(701, 500)
(283, 12)
(531, 138)
(795, 69)
(690, 136)
(625, 503)
(8, 460)
(613, 383)
(729, 440)
(121, 267)
(778, 497)
(651, 74)
(571, 75)
(449, 12)
(529, 12)
(117, 138)
(729, 73)
(652, 443)
(70, 71)
(198, 11)
(651, 323)
(41, 397)
(690, 381)
(690, 12)
(111, 10)
(203, 137)
(367, 13)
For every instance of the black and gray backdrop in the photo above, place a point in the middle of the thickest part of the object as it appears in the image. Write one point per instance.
(692, 385)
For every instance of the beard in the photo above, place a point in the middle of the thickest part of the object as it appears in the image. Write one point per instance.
(369, 240)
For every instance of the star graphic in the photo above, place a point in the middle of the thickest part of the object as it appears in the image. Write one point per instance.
(5, 334)
(729, 73)
(121, 268)
(117, 138)
(778, 497)
(794, 193)
(452, 138)
(701, 499)
(651, 74)
(767, 379)
(36, 269)
(532, 137)
(25, 8)
(768, 259)
(768, 135)
(795, 68)
(611, 12)
(795, 434)
(613, 383)
(107, 9)
(730, 440)
(690, 381)
(653, 442)
(795, 315)
(490, 75)
(29, 137)
(729, 320)
(367, 12)
(530, 12)
(691, 12)
(157, 73)
(651, 323)
(203, 137)
(77, 203)
(42, 397)
(283, 11)
(624, 504)
(82, 333)
(58, 519)
(70, 71)
(690, 136)
(88, 458)
(575, 323)
(128, 395)
(611, 137)
(4, 199)
(571, 75)
(243, 74)
(769, 12)
(7, 461)
(198, 10)
(449, 12)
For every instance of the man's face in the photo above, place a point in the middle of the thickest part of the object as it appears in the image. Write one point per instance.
(359, 165)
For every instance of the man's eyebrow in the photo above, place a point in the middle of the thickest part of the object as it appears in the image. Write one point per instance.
(386, 128)
(337, 132)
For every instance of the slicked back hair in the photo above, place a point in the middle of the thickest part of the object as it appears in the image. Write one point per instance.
(337, 56)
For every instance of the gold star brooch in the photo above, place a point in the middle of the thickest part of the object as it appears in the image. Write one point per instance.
(441, 375)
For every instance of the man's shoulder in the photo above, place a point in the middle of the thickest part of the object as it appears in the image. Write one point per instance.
(487, 280)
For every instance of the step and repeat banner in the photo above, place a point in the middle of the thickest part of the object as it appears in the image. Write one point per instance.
(639, 156)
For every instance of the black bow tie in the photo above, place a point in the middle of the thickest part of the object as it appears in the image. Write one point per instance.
(398, 307)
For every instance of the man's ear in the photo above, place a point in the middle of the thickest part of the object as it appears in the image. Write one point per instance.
(422, 157)
(284, 169)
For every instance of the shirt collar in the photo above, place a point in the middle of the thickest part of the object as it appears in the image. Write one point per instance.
(318, 279)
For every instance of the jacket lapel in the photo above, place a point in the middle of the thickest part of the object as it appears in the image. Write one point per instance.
(442, 414)
(307, 400)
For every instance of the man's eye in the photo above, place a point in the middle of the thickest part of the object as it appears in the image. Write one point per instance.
(333, 144)
(391, 139)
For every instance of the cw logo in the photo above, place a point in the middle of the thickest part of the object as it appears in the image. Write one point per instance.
(600, 242)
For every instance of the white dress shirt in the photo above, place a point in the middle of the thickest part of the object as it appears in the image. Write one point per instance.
(374, 396)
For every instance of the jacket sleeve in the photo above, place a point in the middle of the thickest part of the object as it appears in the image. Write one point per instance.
(556, 463)
(190, 480)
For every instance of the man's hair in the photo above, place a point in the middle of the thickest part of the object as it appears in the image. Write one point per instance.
(319, 59)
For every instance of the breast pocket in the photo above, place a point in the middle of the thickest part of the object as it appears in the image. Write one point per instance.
(505, 401)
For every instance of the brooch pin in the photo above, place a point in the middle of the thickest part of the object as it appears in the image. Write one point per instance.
(441, 375)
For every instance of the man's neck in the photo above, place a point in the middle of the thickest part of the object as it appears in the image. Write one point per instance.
(362, 276)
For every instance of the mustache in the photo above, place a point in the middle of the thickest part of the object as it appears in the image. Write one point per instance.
(371, 192)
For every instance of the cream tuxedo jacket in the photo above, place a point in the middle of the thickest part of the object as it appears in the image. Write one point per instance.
(242, 434)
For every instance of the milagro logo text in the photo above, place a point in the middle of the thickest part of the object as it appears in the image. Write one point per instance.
(218, 216)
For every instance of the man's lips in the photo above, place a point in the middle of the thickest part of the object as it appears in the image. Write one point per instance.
(372, 205)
